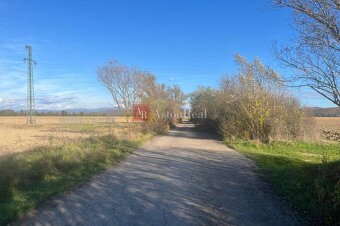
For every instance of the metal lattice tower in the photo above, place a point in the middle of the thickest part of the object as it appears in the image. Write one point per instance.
(30, 87)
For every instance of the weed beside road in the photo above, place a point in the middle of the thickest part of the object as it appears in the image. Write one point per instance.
(28, 178)
(307, 173)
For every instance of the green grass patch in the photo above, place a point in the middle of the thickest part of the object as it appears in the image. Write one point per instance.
(307, 173)
(28, 178)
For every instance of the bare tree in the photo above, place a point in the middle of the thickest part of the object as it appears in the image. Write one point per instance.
(314, 54)
(124, 84)
(129, 86)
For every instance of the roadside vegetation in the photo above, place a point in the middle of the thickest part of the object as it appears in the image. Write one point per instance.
(306, 173)
(255, 114)
(31, 177)
(252, 104)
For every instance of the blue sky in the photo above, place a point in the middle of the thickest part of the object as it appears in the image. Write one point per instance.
(189, 43)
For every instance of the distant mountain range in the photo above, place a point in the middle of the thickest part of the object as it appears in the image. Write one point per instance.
(323, 112)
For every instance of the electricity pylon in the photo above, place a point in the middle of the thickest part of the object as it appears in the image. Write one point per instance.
(30, 87)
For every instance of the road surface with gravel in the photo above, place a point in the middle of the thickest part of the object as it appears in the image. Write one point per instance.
(181, 178)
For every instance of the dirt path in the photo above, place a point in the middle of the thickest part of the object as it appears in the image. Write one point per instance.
(183, 178)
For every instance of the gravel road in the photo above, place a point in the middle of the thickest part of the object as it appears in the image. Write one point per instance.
(181, 178)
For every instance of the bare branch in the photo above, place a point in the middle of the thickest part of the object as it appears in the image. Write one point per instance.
(314, 55)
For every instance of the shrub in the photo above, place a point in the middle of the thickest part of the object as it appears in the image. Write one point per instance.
(251, 105)
(161, 99)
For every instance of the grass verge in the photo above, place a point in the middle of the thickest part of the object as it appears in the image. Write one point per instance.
(28, 178)
(307, 173)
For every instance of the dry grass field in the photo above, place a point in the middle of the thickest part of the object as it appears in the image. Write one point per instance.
(37, 162)
(17, 136)
(329, 127)
(328, 122)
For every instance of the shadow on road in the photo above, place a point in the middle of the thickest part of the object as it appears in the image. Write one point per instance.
(182, 178)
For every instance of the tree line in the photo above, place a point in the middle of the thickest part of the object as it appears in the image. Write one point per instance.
(10, 112)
